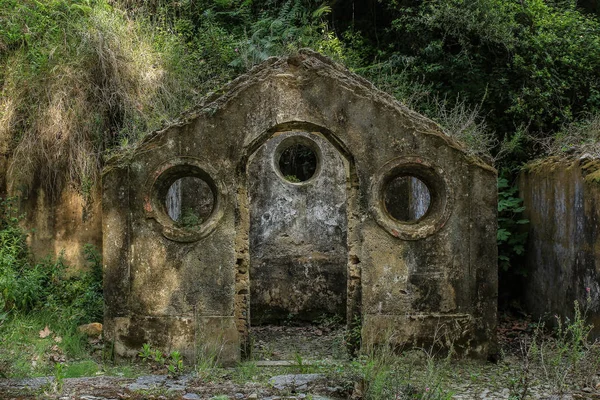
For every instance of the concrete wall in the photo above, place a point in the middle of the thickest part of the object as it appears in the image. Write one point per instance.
(563, 251)
(298, 234)
(408, 282)
(62, 224)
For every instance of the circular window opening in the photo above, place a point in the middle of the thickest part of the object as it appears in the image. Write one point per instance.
(189, 201)
(406, 198)
(298, 163)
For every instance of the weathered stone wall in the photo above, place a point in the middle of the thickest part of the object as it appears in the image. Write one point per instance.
(298, 234)
(563, 250)
(58, 225)
(62, 226)
(408, 282)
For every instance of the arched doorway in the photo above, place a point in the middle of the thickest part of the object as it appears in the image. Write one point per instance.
(297, 192)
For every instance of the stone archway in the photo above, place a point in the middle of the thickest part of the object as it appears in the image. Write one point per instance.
(298, 229)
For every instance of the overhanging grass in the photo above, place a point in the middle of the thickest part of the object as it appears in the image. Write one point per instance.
(81, 78)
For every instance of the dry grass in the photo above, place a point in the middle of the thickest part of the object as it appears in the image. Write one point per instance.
(106, 83)
(580, 138)
(466, 124)
(457, 118)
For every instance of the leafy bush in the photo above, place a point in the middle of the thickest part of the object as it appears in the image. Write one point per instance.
(189, 218)
(524, 63)
(511, 236)
(580, 137)
(79, 296)
(20, 284)
(284, 27)
(26, 286)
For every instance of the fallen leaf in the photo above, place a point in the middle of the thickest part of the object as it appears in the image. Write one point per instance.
(58, 339)
(57, 358)
(44, 333)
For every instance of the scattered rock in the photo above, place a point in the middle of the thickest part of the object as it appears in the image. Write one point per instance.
(94, 329)
(147, 382)
(177, 385)
(191, 396)
(294, 381)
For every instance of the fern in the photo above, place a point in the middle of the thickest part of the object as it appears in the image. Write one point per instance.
(285, 10)
(321, 11)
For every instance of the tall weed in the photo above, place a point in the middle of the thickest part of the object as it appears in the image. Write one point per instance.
(81, 78)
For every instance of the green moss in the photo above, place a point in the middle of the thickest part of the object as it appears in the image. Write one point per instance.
(591, 171)
(549, 164)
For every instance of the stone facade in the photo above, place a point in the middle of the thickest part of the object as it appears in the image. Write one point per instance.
(561, 198)
(319, 239)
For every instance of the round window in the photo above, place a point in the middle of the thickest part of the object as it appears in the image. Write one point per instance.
(297, 163)
(189, 201)
(185, 199)
(406, 198)
(410, 198)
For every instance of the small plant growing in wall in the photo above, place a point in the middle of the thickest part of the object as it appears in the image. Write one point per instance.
(189, 218)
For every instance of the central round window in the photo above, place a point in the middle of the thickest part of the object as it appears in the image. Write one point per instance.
(297, 163)
(406, 198)
(189, 201)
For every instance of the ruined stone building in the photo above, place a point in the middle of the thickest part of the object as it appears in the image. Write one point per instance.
(299, 190)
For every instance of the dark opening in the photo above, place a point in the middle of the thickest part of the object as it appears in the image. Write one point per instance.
(406, 198)
(189, 201)
(298, 163)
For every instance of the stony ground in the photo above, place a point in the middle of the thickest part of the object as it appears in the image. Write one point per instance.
(289, 386)
(309, 362)
(312, 386)
(306, 342)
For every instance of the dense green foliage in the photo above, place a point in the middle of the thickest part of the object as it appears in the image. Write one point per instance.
(35, 295)
(528, 64)
(511, 235)
(503, 67)
(26, 286)
(80, 79)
